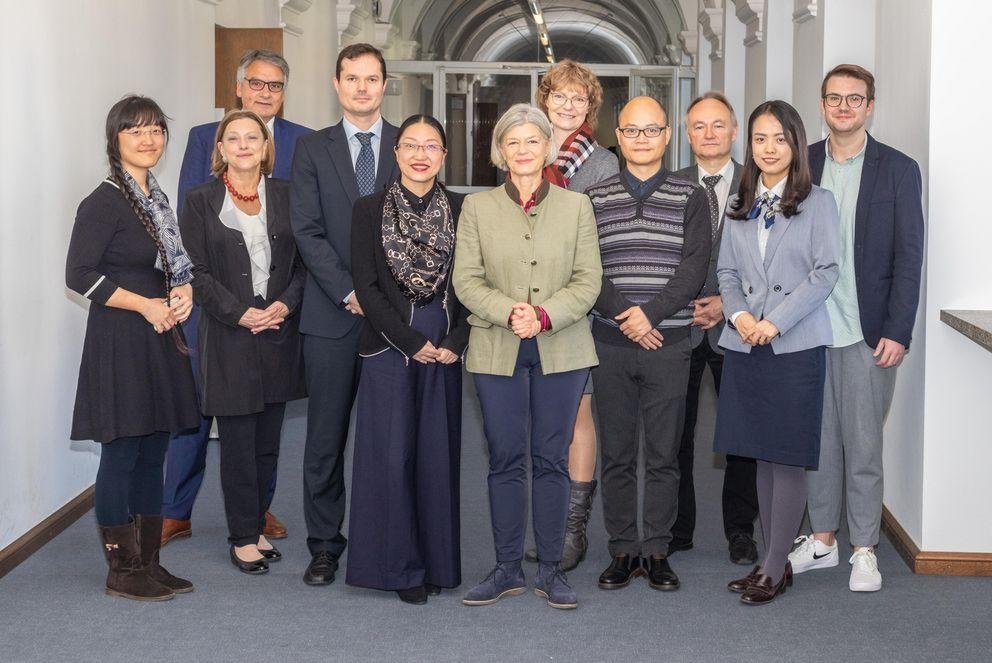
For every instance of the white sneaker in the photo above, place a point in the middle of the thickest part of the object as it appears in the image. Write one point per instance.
(813, 554)
(864, 571)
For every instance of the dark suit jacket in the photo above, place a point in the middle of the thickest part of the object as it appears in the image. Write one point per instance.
(324, 191)
(888, 240)
(200, 146)
(239, 371)
(387, 309)
(712, 286)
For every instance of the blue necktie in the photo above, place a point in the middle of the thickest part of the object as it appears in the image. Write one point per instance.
(765, 206)
(365, 165)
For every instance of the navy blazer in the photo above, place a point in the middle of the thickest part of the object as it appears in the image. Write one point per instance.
(888, 240)
(322, 195)
(200, 147)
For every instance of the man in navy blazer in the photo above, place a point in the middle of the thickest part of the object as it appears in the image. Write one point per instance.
(872, 311)
(332, 168)
(711, 127)
(261, 85)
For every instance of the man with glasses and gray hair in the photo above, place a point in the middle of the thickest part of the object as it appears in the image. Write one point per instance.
(261, 86)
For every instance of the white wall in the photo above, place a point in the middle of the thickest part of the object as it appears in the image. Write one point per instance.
(957, 453)
(73, 61)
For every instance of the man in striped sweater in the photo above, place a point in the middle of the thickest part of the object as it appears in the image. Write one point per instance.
(654, 238)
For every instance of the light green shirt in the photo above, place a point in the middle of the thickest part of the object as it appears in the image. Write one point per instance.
(843, 179)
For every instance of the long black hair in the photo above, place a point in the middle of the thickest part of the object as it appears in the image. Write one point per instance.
(133, 111)
(799, 182)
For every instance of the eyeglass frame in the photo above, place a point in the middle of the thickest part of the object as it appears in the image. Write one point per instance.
(138, 134)
(645, 130)
(432, 149)
(846, 99)
(252, 82)
(583, 105)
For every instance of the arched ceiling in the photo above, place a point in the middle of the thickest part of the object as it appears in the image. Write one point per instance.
(595, 31)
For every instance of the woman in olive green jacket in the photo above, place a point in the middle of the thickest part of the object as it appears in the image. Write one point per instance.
(527, 268)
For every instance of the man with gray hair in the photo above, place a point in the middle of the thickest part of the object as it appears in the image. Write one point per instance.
(261, 86)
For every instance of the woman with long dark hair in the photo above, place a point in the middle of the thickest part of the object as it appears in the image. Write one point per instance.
(404, 528)
(135, 386)
(778, 263)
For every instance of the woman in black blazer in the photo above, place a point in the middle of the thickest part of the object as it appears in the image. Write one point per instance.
(249, 283)
(404, 528)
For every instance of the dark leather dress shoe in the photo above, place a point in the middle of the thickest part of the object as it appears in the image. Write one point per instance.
(677, 544)
(621, 571)
(661, 576)
(413, 595)
(321, 569)
(255, 568)
(762, 591)
(432, 590)
(271, 555)
(740, 585)
(742, 549)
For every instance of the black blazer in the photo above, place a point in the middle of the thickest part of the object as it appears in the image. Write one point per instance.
(888, 240)
(241, 372)
(323, 192)
(387, 310)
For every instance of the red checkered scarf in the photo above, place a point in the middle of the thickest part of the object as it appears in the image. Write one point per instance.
(573, 153)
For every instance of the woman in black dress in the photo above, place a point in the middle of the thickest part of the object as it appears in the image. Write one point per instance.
(135, 387)
(249, 283)
(404, 528)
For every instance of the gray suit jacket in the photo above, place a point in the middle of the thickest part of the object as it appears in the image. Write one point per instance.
(791, 285)
(601, 164)
(712, 286)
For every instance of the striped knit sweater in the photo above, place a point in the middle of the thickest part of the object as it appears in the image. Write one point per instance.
(655, 251)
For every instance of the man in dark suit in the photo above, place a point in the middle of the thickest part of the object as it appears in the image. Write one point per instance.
(261, 86)
(331, 170)
(711, 126)
(872, 312)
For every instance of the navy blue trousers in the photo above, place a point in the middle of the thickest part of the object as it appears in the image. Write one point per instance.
(529, 406)
(186, 458)
(404, 529)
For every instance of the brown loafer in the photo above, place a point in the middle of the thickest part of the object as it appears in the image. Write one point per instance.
(175, 529)
(273, 528)
(762, 591)
(740, 585)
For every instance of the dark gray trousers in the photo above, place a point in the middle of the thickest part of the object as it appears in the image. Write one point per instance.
(629, 381)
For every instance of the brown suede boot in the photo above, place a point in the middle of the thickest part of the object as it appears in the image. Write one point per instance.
(127, 577)
(149, 529)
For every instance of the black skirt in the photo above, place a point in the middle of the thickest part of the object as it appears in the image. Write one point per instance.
(771, 406)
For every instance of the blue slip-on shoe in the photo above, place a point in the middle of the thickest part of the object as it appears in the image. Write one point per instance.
(506, 579)
(552, 584)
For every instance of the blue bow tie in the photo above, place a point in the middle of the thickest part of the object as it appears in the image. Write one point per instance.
(766, 206)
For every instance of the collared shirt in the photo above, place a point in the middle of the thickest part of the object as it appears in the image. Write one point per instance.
(355, 146)
(418, 203)
(843, 179)
(642, 188)
(763, 233)
(722, 187)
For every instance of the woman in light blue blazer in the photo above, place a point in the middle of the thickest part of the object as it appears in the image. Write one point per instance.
(778, 263)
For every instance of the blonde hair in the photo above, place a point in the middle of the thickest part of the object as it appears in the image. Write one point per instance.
(519, 115)
(217, 163)
(569, 72)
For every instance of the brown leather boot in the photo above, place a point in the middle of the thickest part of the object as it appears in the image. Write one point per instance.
(149, 529)
(127, 577)
(175, 529)
(273, 528)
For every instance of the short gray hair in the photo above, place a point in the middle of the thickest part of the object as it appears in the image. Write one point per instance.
(518, 115)
(264, 55)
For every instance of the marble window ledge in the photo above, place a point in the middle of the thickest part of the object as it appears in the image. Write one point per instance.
(976, 325)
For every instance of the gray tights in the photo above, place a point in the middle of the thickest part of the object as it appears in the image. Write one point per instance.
(781, 503)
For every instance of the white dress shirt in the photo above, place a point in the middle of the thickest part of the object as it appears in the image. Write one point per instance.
(355, 146)
(722, 187)
(763, 233)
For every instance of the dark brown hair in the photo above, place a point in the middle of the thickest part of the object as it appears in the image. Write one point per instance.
(568, 72)
(850, 71)
(799, 184)
(354, 51)
(217, 163)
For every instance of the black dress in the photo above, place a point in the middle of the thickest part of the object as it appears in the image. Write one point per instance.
(132, 381)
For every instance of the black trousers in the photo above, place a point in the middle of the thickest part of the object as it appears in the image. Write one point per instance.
(332, 380)
(249, 453)
(740, 497)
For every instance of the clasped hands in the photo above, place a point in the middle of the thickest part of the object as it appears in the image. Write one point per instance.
(258, 320)
(164, 314)
(524, 321)
(755, 332)
(636, 327)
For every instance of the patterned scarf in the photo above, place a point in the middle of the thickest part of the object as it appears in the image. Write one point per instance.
(766, 207)
(573, 153)
(156, 206)
(418, 247)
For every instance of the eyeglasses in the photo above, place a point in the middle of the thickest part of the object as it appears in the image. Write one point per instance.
(634, 132)
(432, 149)
(257, 84)
(137, 134)
(558, 99)
(853, 100)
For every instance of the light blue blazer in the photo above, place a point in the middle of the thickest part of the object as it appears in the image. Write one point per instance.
(790, 286)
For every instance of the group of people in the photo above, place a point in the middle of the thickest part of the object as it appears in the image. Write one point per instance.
(794, 277)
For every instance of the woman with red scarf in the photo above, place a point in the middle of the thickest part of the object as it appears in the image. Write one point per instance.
(570, 95)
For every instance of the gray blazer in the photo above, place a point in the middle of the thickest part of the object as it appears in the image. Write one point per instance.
(791, 285)
(711, 286)
(601, 164)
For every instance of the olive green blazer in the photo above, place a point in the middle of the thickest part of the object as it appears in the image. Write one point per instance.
(548, 257)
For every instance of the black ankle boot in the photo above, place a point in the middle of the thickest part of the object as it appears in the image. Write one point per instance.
(149, 529)
(579, 507)
(127, 576)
